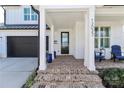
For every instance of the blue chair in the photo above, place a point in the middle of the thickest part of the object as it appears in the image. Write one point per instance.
(99, 56)
(116, 52)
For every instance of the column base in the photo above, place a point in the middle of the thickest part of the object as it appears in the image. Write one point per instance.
(91, 68)
(42, 67)
(53, 56)
(85, 63)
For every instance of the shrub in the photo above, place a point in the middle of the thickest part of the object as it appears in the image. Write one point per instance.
(112, 77)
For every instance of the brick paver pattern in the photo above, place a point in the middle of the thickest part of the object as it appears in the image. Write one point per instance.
(67, 72)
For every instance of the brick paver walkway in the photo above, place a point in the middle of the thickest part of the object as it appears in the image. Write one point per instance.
(67, 72)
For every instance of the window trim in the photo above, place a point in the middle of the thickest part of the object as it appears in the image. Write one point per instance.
(99, 36)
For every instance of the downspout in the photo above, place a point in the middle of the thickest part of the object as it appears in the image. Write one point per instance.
(4, 15)
(38, 35)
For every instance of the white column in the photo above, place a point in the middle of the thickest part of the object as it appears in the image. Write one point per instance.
(89, 39)
(42, 65)
(52, 41)
(86, 41)
(91, 64)
(4, 46)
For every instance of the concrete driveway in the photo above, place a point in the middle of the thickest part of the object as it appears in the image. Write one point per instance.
(15, 71)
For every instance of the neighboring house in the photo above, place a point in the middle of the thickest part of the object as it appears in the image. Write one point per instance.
(70, 31)
(19, 33)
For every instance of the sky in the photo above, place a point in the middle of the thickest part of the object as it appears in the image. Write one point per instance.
(1, 15)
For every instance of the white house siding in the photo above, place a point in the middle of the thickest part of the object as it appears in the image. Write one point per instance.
(5, 33)
(73, 41)
(15, 16)
(116, 34)
(57, 37)
(76, 40)
(1, 47)
(79, 40)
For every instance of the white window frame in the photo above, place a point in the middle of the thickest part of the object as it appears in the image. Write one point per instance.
(30, 14)
(99, 36)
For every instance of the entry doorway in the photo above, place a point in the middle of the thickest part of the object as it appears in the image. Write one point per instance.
(64, 42)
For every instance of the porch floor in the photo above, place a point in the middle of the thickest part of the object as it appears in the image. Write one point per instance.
(109, 64)
(67, 72)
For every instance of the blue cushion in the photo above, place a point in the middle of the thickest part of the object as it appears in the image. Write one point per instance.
(120, 57)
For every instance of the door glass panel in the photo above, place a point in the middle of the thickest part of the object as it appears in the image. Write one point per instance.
(64, 43)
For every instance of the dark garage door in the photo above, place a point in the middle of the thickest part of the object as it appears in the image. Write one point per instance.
(22, 46)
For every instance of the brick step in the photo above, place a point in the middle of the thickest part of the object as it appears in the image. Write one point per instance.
(67, 63)
(65, 71)
(68, 85)
(66, 67)
(67, 78)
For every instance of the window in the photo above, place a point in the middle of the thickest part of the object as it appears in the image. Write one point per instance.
(102, 37)
(33, 15)
(29, 14)
(26, 14)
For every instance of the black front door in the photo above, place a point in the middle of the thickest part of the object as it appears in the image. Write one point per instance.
(64, 42)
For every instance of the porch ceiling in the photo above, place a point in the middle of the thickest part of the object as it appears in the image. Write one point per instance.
(65, 20)
(110, 13)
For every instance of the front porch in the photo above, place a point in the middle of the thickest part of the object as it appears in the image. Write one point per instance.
(66, 64)
(67, 72)
(80, 22)
(72, 28)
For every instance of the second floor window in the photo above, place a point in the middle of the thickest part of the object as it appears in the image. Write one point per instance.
(102, 37)
(29, 14)
(26, 14)
(33, 15)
